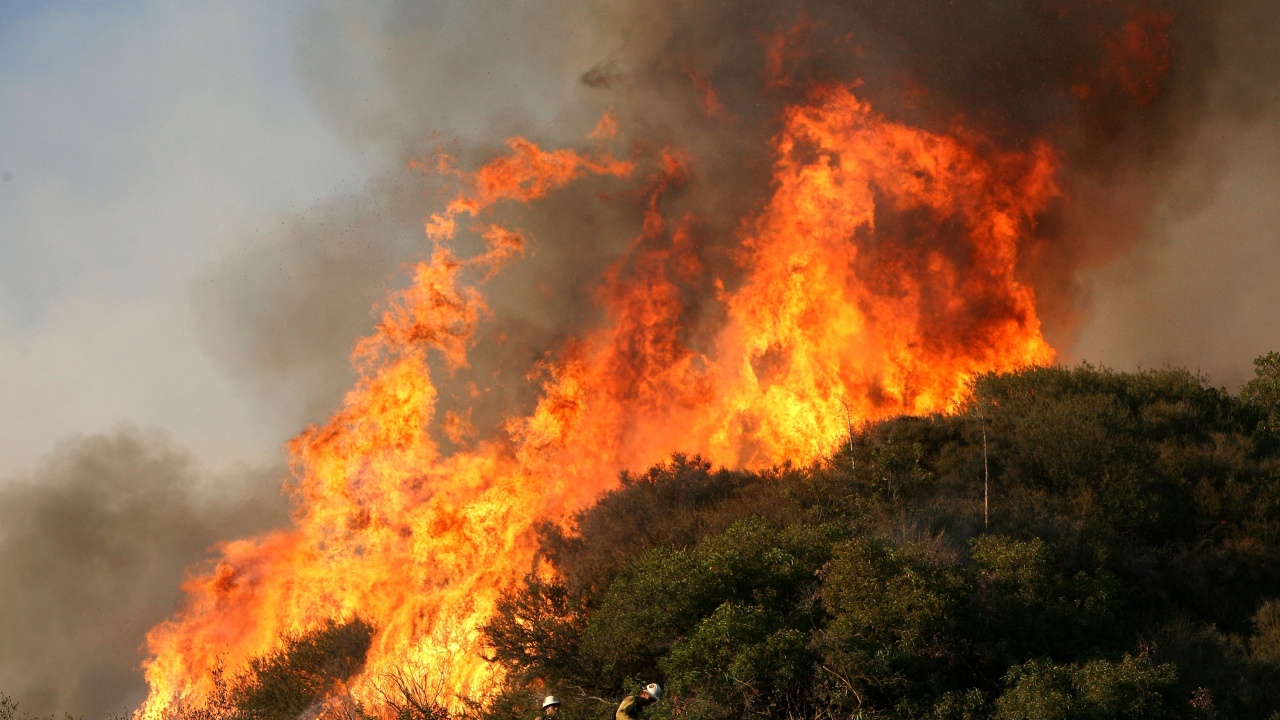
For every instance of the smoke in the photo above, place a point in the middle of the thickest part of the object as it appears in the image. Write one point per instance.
(407, 81)
(93, 546)
(1123, 91)
(1199, 289)
(282, 315)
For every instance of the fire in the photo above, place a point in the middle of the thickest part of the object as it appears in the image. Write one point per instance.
(887, 320)
(881, 275)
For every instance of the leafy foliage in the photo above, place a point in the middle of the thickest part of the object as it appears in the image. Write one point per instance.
(286, 682)
(1130, 567)
(892, 631)
(1096, 690)
(298, 677)
(666, 594)
(538, 630)
(1027, 606)
(1262, 394)
(742, 659)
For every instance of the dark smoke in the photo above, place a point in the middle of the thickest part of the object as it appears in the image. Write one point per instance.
(1124, 90)
(93, 547)
(1199, 290)
(405, 80)
(283, 315)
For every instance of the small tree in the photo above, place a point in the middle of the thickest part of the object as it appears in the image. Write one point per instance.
(537, 629)
(740, 661)
(305, 670)
(892, 631)
(1263, 394)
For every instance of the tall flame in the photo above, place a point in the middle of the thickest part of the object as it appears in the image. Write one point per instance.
(880, 276)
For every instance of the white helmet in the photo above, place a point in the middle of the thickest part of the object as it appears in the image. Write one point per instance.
(654, 690)
(551, 700)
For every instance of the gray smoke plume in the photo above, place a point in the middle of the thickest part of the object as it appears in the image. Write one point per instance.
(1200, 290)
(1123, 90)
(408, 80)
(283, 315)
(93, 547)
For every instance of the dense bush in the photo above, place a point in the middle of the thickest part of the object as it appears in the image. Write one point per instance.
(291, 680)
(284, 683)
(1262, 396)
(1129, 567)
(666, 595)
(1096, 690)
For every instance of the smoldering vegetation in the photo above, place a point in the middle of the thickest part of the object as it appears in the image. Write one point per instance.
(94, 544)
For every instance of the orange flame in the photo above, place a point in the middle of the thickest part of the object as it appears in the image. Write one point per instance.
(881, 276)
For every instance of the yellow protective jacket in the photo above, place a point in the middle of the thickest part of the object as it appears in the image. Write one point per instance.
(629, 708)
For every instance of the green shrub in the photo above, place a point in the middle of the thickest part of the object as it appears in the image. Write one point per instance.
(741, 660)
(1262, 394)
(667, 593)
(894, 621)
(1025, 606)
(305, 670)
(1097, 690)
(537, 629)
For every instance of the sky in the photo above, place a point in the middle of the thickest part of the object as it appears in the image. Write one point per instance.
(200, 203)
(142, 144)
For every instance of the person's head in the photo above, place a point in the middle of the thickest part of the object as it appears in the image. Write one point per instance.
(551, 705)
(652, 692)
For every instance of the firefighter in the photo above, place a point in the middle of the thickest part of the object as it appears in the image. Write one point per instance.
(550, 706)
(632, 706)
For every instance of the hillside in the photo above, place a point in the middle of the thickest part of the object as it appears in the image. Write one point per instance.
(1125, 564)
(1128, 567)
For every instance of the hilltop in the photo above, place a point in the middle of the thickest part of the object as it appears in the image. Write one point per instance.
(1071, 543)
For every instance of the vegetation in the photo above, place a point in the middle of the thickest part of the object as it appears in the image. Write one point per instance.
(293, 681)
(1129, 568)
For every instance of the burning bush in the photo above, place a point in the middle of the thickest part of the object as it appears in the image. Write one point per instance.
(284, 684)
